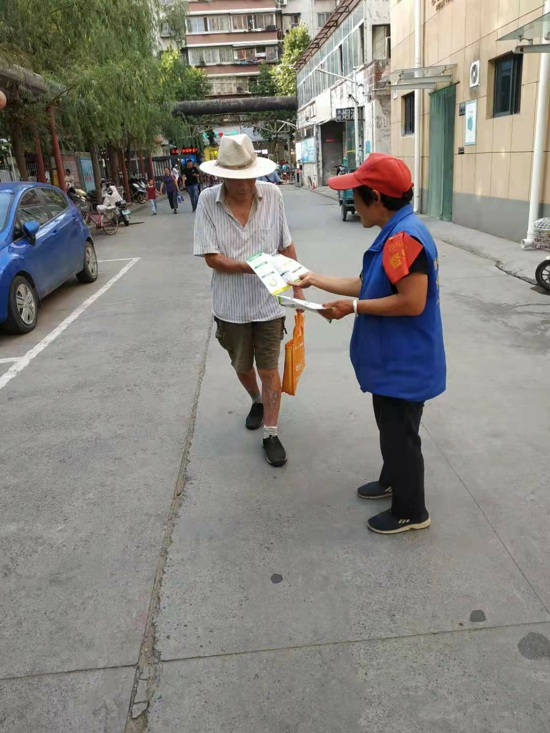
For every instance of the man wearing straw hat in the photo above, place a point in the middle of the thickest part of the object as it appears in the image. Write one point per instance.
(234, 221)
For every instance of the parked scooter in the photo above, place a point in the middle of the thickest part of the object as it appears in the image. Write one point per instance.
(77, 196)
(137, 187)
(113, 200)
(542, 274)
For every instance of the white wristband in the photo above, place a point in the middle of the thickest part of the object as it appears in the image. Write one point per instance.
(355, 302)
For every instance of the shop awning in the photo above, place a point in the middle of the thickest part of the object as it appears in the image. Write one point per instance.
(526, 34)
(423, 77)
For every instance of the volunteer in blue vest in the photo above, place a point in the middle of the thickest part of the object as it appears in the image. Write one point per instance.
(397, 344)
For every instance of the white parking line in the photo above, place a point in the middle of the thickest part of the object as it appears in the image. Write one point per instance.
(120, 259)
(9, 359)
(25, 360)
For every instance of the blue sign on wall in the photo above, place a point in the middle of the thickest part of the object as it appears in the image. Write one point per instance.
(308, 150)
(87, 173)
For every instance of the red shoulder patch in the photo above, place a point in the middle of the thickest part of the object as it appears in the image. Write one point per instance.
(400, 251)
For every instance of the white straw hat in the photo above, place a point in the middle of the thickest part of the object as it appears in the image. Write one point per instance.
(237, 159)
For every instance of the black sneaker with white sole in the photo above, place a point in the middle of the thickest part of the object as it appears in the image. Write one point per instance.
(275, 454)
(374, 490)
(386, 523)
(255, 418)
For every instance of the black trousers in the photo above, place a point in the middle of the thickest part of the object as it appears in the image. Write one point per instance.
(172, 199)
(399, 424)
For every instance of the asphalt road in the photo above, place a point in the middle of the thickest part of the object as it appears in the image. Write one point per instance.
(158, 575)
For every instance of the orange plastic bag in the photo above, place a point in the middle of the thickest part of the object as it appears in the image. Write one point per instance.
(295, 357)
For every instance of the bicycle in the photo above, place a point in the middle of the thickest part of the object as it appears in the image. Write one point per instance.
(102, 219)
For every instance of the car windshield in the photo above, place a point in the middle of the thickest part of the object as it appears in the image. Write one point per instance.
(5, 198)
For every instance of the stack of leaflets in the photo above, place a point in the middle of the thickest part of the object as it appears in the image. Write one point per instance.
(276, 272)
(297, 304)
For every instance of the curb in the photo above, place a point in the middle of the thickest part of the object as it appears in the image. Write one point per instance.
(502, 265)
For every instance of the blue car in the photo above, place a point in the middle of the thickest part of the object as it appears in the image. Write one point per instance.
(43, 242)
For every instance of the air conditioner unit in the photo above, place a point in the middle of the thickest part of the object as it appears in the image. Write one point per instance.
(282, 3)
(475, 73)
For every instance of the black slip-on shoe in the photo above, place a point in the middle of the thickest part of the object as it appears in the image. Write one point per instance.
(255, 418)
(374, 490)
(386, 523)
(275, 454)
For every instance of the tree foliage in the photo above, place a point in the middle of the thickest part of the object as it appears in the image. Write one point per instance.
(108, 80)
(264, 123)
(280, 81)
(295, 43)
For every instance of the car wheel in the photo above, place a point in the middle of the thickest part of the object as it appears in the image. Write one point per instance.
(22, 306)
(542, 275)
(91, 270)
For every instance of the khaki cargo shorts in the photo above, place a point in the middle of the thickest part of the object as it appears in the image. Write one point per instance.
(248, 342)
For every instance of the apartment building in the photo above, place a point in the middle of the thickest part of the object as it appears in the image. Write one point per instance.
(343, 90)
(230, 38)
(312, 13)
(165, 36)
(477, 121)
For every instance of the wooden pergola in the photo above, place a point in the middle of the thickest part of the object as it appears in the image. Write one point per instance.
(14, 80)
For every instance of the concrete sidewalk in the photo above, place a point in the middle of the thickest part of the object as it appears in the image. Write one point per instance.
(279, 612)
(158, 576)
(507, 255)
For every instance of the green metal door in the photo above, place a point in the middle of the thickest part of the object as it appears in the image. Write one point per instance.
(442, 139)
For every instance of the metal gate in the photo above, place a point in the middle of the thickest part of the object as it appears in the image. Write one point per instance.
(160, 162)
(442, 138)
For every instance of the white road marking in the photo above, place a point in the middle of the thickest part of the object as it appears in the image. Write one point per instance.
(9, 359)
(121, 259)
(25, 360)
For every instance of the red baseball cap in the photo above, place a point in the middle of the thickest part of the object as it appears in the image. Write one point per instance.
(382, 172)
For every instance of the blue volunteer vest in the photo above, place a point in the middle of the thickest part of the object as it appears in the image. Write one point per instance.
(400, 356)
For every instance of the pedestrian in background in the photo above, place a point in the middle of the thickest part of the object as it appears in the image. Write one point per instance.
(271, 178)
(191, 173)
(397, 344)
(69, 179)
(152, 195)
(169, 187)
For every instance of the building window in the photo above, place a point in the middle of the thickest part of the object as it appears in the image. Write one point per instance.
(210, 56)
(217, 23)
(253, 22)
(245, 54)
(291, 21)
(507, 92)
(381, 42)
(197, 25)
(272, 53)
(240, 22)
(408, 114)
(322, 19)
(223, 85)
(212, 24)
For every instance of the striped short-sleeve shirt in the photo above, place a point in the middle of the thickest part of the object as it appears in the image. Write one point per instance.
(239, 297)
